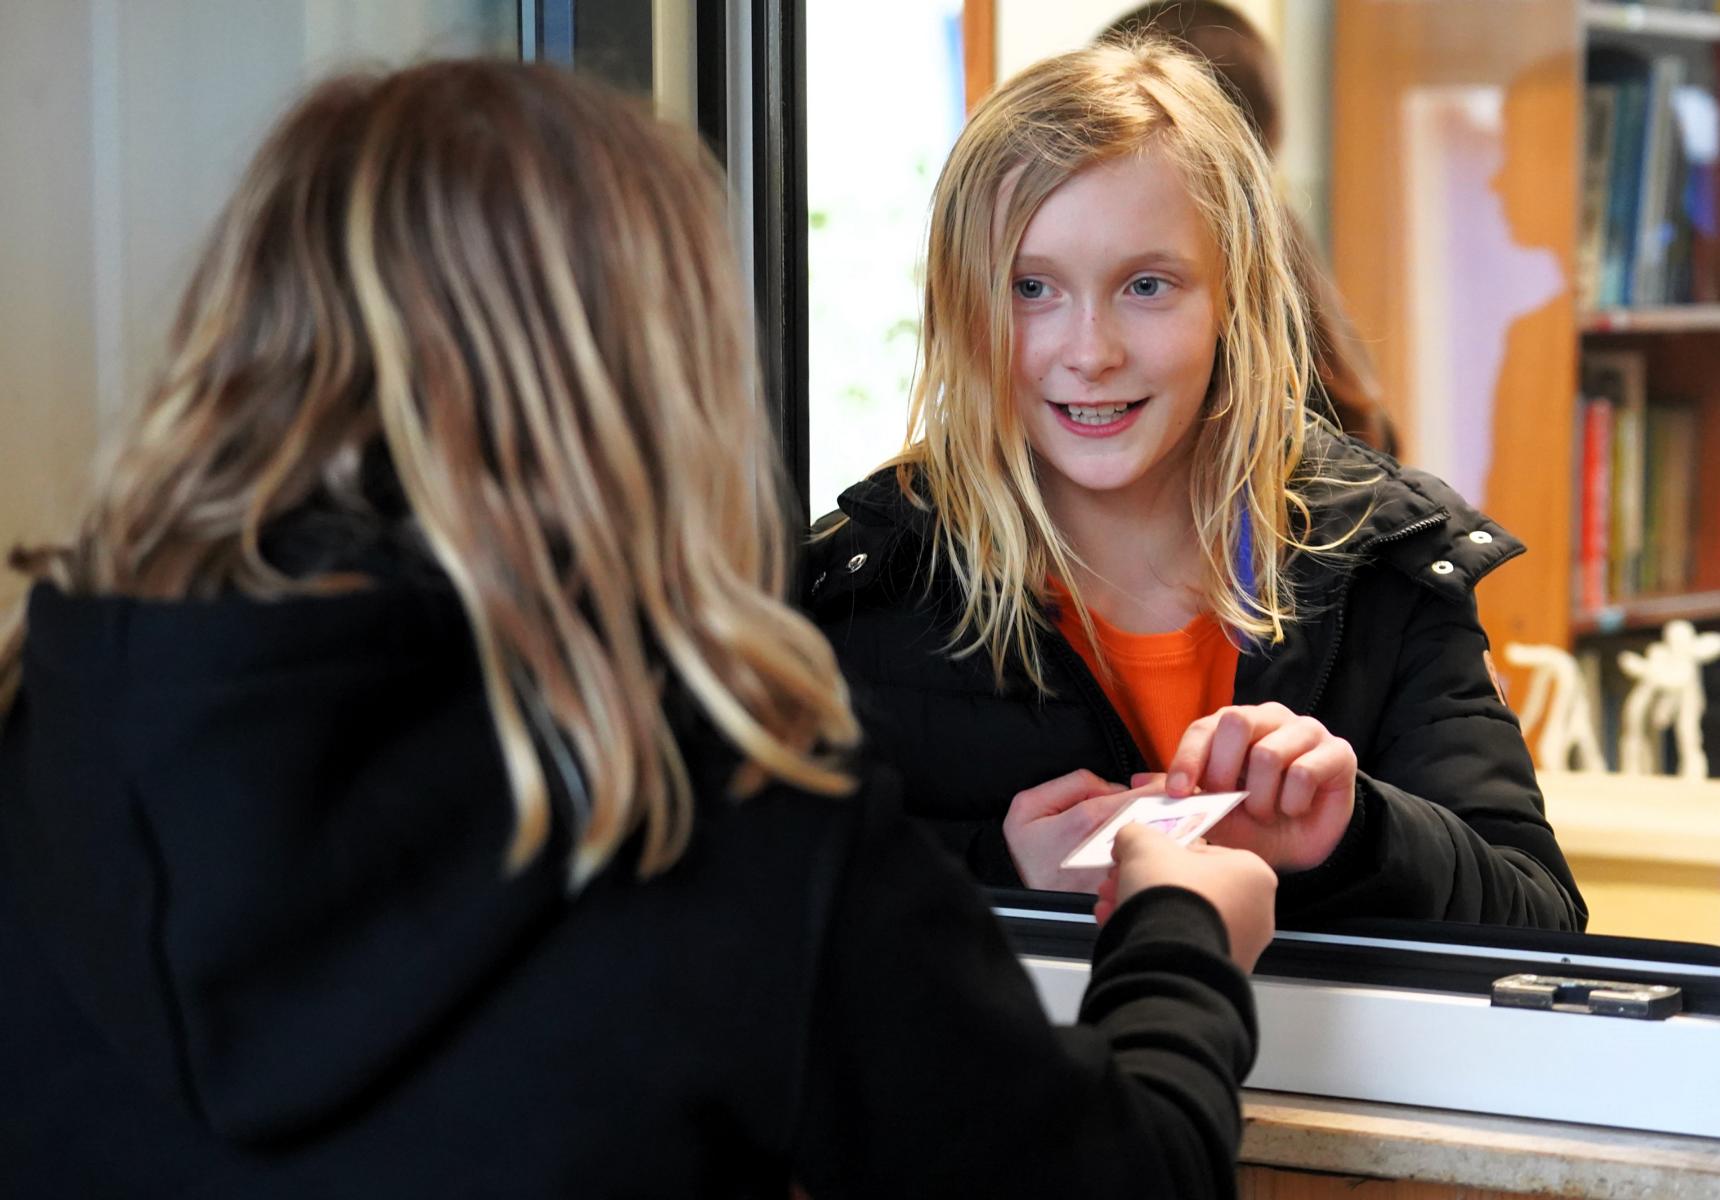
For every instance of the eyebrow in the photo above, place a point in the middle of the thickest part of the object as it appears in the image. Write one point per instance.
(1145, 258)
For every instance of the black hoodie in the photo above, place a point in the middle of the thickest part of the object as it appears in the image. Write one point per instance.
(256, 939)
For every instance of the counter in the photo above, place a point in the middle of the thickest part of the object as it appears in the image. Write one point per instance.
(1360, 1150)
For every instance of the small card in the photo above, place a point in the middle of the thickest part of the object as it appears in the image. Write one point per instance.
(1182, 820)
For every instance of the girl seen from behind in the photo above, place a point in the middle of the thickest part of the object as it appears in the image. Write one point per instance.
(1118, 547)
(412, 780)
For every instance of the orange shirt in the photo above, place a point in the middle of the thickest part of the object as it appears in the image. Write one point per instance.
(1160, 682)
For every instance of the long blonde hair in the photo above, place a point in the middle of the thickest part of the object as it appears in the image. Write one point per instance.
(967, 456)
(520, 287)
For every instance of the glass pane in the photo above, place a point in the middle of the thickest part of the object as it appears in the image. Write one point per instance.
(1433, 154)
(874, 148)
(123, 126)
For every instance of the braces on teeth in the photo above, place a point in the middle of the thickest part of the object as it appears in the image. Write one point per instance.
(1095, 414)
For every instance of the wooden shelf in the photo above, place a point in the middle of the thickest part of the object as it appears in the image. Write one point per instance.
(1669, 318)
(1647, 613)
(1659, 22)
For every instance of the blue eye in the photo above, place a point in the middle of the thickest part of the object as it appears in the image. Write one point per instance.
(1147, 287)
(1030, 289)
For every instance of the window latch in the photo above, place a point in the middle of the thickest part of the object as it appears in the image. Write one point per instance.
(1595, 997)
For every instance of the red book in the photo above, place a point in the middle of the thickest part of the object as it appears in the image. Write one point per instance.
(1596, 501)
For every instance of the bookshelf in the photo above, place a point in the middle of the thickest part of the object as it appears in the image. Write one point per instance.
(1652, 21)
(1520, 79)
(1665, 318)
(1647, 612)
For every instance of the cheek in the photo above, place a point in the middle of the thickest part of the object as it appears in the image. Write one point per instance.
(1192, 353)
(1029, 352)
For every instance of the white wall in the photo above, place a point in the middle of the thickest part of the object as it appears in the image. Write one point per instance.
(123, 127)
(47, 378)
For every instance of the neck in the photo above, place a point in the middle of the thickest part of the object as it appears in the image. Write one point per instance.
(1142, 564)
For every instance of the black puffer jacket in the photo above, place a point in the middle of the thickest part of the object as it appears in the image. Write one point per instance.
(1388, 653)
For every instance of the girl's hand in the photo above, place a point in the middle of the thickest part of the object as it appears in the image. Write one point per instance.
(1045, 823)
(1300, 779)
(1236, 882)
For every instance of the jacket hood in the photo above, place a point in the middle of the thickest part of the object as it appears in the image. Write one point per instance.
(1403, 517)
(262, 844)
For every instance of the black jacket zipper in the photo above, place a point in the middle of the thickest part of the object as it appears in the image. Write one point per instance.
(1125, 754)
(1343, 605)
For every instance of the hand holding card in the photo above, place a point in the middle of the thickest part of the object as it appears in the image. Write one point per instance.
(1182, 819)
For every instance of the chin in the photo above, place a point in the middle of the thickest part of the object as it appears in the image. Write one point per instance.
(1088, 479)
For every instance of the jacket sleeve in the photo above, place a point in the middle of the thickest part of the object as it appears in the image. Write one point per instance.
(1449, 823)
(931, 1070)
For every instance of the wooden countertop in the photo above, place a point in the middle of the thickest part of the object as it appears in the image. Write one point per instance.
(1645, 818)
(1507, 1154)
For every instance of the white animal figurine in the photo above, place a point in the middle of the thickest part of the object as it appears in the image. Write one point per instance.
(1667, 695)
(1556, 693)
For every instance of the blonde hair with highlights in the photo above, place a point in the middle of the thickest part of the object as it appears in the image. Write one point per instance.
(519, 286)
(967, 456)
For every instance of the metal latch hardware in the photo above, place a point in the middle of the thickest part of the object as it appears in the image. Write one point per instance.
(1596, 997)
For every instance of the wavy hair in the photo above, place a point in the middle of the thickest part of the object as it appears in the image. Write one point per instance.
(967, 457)
(519, 287)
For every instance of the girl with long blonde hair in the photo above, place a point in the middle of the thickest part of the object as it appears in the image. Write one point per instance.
(414, 782)
(1118, 548)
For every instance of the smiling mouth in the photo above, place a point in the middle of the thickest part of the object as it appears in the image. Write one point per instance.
(1096, 414)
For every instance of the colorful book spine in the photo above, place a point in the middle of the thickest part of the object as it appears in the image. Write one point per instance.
(1596, 492)
(1599, 101)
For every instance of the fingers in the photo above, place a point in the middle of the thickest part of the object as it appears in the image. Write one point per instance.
(1096, 810)
(1188, 763)
(1330, 767)
(1141, 779)
(1057, 795)
(1215, 748)
(1103, 907)
(1105, 899)
(1282, 749)
(1130, 841)
(1108, 886)
(1137, 839)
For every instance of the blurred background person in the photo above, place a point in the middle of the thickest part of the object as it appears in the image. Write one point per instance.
(1247, 66)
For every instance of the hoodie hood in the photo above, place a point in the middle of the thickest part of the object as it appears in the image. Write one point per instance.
(262, 843)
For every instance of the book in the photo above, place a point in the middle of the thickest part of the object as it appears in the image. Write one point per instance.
(1698, 254)
(1621, 378)
(1628, 72)
(1672, 471)
(1599, 101)
(1656, 183)
(1595, 500)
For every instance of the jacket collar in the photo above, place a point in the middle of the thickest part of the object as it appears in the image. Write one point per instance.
(1402, 518)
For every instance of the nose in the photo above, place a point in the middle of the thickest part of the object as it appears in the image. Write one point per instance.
(1094, 346)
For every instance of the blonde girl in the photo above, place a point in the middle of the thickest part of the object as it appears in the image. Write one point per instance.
(1117, 544)
(413, 781)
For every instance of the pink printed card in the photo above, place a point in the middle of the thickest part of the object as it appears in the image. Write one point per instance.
(1182, 820)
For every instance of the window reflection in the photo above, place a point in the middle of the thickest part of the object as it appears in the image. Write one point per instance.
(1440, 165)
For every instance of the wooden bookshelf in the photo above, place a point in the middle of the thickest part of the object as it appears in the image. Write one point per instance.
(1650, 21)
(1389, 57)
(1666, 318)
(1513, 73)
(1646, 613)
